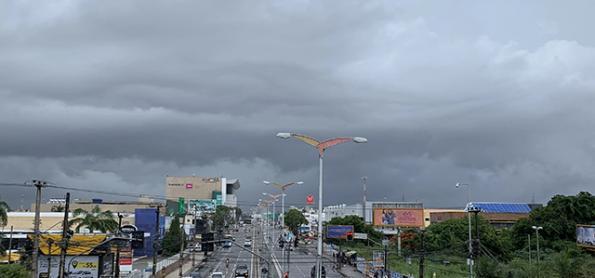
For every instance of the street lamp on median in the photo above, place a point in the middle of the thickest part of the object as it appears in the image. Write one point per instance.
(283, 187)
(321, 147)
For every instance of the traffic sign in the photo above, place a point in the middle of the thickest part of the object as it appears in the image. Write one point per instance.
(360, 236)
(310, 199)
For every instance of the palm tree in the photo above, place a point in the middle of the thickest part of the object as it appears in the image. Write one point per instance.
(96, 220)
(3, 213)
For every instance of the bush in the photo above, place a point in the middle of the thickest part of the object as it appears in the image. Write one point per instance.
(14, 271)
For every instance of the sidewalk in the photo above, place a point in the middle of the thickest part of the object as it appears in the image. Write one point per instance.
(346, 270)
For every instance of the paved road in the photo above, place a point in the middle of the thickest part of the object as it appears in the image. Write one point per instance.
(301, 261)
(237, 255)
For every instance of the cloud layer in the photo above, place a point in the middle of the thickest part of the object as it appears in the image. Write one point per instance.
(118, 95)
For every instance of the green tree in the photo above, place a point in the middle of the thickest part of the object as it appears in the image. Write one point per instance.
(359, 226)
(14, 271)
(451, 237)
(173, 238)
(558, 219)
(294, 219)
(96, 220)
(223, 216)
(3, 220)
(4, 209)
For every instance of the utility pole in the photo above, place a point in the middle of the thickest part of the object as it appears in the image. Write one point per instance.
(65, 235)
(386, 258)
(155, 241)
(193, 246)
(399, 242)
(288, 248)
(365, 200)
(422, 255)
(181, 271)
(50, 243)
(117, 266)
(10, 245)
(529, 239)
(38, 185)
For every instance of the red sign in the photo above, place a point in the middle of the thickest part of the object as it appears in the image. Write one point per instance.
(309, 199)
(188, 186)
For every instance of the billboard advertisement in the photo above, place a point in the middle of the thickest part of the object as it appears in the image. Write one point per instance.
(76, 266)
(338, 231)
(202, 206)
(585, 236)
(398, 217)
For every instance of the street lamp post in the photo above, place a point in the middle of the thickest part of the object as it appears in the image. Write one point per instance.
(283, 187)
(321, 147)
(537, 228)
(273, 200)
(470, 247)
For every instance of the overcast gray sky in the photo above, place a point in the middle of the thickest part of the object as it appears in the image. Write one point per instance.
(114, 95)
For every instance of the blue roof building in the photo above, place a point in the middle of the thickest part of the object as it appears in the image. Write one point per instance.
(500, 207)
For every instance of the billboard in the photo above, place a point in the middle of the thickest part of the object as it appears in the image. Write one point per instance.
(398, 217)
(585, 236)
(202, 206)
(76, 266)
(338, 231)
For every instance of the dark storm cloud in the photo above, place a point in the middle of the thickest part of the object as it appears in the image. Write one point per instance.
(116, 95)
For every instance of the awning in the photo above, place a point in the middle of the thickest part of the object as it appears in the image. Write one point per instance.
(78, 244)
(350, 253)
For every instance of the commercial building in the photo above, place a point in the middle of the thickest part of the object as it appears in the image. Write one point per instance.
(57, 205)
(342, 210)
(222, 190)
(499, 215)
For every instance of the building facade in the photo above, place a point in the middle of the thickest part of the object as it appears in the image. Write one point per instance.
(222, 190)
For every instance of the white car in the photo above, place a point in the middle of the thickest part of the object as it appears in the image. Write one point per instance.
(247, 243)
(217, 275)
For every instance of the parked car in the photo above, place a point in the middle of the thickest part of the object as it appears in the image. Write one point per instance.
(227, 244)
(248, 243)
(217, 275)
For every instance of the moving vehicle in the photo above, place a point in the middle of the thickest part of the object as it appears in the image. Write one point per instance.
(194, 274)
(241, 271)
(196, 248)
(227, 244)
(217, 275)
(248, 243)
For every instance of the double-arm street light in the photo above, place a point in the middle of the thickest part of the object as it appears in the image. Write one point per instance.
(273, 199)
(283, 187)
(321, 147)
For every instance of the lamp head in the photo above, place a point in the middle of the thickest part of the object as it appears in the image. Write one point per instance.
(299, 182)
(284, 135)
(458, 185)
(266, 182)
(360, 140)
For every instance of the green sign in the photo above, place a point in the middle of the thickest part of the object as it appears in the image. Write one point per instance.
(217, 197)
(181, 206)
